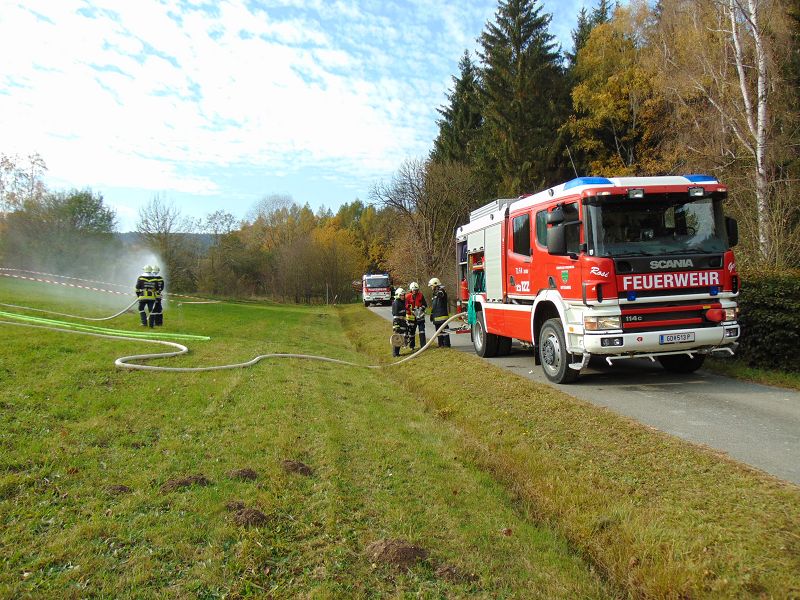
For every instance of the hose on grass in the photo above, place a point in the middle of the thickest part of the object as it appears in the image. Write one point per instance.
(58, 314)
(127, 362)
(143, 335)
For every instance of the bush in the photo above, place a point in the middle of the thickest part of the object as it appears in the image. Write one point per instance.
(770, 318)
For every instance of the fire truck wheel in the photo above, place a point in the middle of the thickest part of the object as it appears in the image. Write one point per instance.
(366, 304)
(485, 343)
(682, 363)
(553, 353)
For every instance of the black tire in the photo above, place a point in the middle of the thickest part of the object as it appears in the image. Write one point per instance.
(366, 304)
(503, 346)
(485, 343)
(682, 363)
(552, 348)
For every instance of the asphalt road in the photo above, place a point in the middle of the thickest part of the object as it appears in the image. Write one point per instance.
(755, 424)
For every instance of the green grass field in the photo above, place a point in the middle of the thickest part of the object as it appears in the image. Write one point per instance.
(512, 489)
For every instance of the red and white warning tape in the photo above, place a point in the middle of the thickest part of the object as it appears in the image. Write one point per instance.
(4, 271)
(65, 284)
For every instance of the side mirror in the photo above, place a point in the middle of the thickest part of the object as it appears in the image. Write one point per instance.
(557, 240)
(732, 228)
(555, 216)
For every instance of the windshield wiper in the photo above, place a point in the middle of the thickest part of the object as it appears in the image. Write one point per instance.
(634, 253)
(692, 249)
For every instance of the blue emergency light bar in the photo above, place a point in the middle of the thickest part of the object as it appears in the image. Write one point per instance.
(586, 181)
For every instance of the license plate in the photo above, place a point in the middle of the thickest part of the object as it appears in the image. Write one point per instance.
(676, 338)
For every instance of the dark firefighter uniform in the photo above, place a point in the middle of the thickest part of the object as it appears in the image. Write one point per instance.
(415, 300)
(439, 314)
(398, 320)
(148, 289)
(157, 314)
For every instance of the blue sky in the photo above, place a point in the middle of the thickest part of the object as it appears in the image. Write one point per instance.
(215, 104)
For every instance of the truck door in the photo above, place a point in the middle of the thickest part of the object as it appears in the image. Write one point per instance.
(563, 272)
(518, 256)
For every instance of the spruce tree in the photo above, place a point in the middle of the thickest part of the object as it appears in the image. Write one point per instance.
(602, 13)
(523, 94)
(579, 36)
(461, 119)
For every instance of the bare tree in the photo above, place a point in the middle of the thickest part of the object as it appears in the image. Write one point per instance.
(726, 61)
(163, 228)
(432, 197)
(21, 180)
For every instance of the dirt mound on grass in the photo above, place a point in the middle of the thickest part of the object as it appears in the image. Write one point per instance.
(234, 505)
(117, 490)
(295, 466)
(396, 552)
(184, 482)
(249, 517)
(247, 474)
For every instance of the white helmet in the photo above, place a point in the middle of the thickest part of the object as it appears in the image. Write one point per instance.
(413, 286)
(434, 282)
(154, 269)
(398, 293)
(146, 268)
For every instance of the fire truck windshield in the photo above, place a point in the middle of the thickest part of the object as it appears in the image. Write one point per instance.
(377, 282)
(655, 225)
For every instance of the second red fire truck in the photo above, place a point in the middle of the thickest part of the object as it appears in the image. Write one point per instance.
(620, 267)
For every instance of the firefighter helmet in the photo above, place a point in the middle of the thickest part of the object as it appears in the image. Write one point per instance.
(434, 282)
(154, 269)
(398, 293)
(146, 268)
(413, 286)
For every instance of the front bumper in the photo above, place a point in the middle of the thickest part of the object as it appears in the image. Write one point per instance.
(648, 342)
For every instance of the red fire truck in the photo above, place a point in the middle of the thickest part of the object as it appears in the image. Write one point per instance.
(376, 288)
(620, 267)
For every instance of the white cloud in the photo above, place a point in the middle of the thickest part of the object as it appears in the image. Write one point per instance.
(159, 96)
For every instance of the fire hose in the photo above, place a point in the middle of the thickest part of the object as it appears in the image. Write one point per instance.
(126, 362)
(51, 312)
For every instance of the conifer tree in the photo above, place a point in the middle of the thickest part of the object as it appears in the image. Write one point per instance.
(523, 93)
(601, 14)
(461, 119)
(579, 36)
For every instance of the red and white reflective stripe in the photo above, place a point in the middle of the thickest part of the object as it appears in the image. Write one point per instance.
(118, 285)
(65, 284)
(64, 277)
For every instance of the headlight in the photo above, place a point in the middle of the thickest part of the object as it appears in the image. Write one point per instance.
(598, 323)
(731, 314)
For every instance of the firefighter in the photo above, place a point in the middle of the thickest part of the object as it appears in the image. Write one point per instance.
(415, 313)
(398, 316)
(146, 292)
(439, 311)
(157, 313)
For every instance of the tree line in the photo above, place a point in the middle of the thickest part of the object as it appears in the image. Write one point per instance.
(674, 87)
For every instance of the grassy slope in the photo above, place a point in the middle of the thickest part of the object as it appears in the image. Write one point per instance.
(71, 426)
(740, 370)
(660, 517)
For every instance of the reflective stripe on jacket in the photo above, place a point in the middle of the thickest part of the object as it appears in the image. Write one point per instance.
(149, 287)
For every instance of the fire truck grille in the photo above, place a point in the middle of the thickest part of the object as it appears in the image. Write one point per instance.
(654, 317)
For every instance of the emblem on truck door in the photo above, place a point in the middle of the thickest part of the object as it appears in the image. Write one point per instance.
(565, 276)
